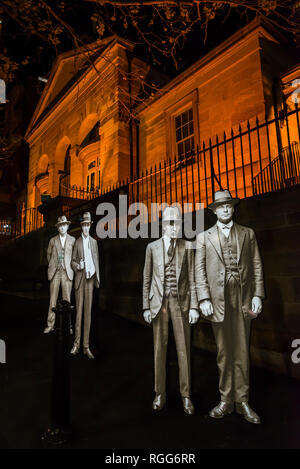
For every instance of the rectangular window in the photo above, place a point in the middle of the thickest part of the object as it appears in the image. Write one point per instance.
(184, 133)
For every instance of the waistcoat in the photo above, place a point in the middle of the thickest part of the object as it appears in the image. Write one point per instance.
(229, 251)
(61, 257)
(170, 273)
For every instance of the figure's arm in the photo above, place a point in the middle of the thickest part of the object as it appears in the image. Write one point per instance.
(75, 266)
(202, 287)
(97, 257)
(193, 312)
(73, 240)
(147, 278)
(49, 250)
(258, 279)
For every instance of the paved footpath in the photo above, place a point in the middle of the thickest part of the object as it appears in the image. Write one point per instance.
(112, 395)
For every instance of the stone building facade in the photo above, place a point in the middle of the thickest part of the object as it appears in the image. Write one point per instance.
(79, 135)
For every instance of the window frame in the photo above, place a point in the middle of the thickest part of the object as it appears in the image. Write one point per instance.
(189, 136)
(190, 101)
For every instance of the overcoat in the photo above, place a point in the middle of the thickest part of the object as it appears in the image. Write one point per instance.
(78, 254)
(153, 276)
(210, 269)
(53, 252)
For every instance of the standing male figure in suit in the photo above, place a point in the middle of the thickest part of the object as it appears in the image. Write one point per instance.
(85, 263)
(230, 288)
(60, 273)
(169, 292)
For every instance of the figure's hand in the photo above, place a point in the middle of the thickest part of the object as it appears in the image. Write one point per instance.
(147, 316)
(80, 266)
(256, 305)
(193, 316)
(206, 308)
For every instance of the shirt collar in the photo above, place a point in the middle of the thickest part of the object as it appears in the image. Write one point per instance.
(221, 225)
(168, 239)
(85, 238)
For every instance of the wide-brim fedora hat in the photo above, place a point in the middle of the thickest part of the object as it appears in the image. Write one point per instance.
(171, 214)
(62, 220)
(86, 218)
(223, 197)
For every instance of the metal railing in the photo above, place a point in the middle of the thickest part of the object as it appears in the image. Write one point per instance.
(7, 229)
(260, 156)
(78, 192)
(29, 220)
(238, 160)
(283, 172)
(33, 220)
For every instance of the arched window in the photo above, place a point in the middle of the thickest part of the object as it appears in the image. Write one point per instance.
(67, 166)
(67, 163)
(64, 178)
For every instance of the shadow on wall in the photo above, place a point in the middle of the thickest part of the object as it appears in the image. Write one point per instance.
(23, 262)
(276, 221)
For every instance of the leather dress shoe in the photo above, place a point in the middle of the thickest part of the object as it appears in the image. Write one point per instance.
(245, 410)
(222, 409)
(74, 350)
(188, 406)
(159, 402)
(48, 329)
(88, 353)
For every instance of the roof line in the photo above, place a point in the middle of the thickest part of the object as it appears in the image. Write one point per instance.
(109, 41)
(224, 45)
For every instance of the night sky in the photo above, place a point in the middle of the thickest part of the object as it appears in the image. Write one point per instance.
(42, 56)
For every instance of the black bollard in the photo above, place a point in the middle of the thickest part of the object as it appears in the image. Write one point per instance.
(60, 430)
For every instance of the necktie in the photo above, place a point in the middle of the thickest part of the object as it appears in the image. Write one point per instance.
(171, 249)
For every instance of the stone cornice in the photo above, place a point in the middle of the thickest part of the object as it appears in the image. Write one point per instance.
(292, 74)
(255, 29)
(35, 123)
(89, 151)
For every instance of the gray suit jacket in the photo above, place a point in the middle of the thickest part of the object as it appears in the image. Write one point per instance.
(210, 269)
(78, 254)
(153, 276)
(54, 248)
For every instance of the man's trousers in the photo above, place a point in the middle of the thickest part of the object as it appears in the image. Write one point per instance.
(84, 298)
(181, 327)
(232, 339)
(60, 279)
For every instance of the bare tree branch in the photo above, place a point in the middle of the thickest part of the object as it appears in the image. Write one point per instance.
(161, 26)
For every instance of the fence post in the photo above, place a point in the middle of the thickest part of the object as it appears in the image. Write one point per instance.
(60, 430)
(212, 171)
(205, 172)
(170, 182)
(290, 156)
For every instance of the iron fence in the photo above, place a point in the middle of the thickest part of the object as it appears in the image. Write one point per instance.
(28, 220)
(260, 156)
(244, 160)
(79, 192)
(283, 172)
